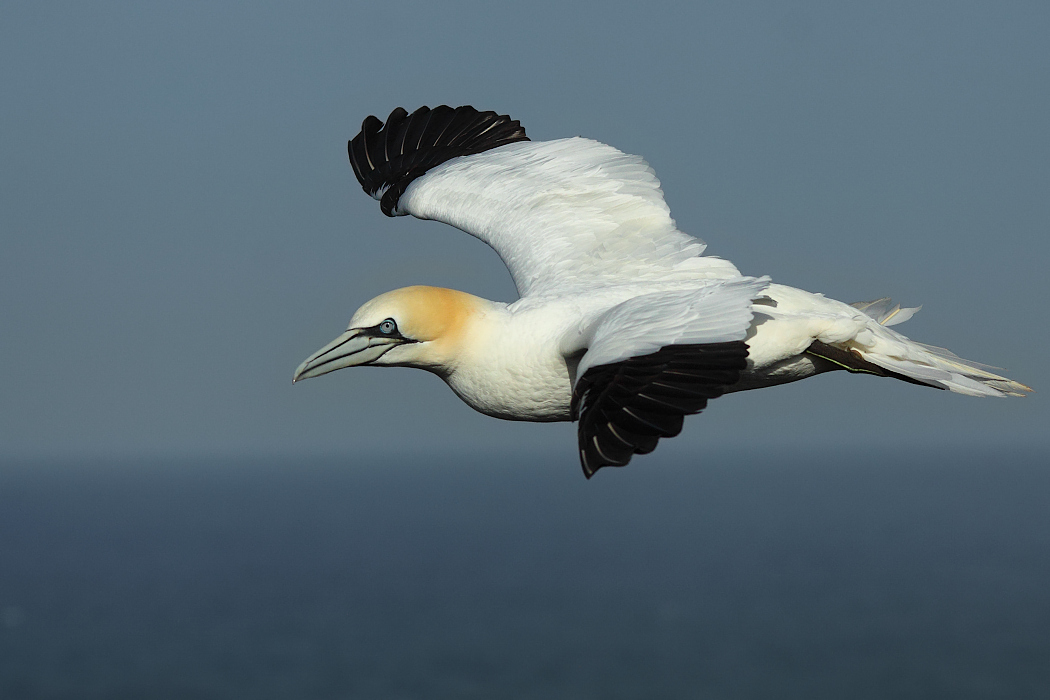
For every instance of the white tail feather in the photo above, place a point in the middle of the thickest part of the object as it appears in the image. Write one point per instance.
(926, 363)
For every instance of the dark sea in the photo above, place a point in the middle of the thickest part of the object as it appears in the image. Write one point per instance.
(826, 573)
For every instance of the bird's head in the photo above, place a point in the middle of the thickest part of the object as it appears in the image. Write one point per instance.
(410, 327)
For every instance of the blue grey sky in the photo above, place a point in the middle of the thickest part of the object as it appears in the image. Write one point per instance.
(180, 227)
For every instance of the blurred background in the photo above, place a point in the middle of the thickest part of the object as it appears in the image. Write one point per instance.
(180, 228)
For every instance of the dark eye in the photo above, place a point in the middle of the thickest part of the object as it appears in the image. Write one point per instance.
(388, 327)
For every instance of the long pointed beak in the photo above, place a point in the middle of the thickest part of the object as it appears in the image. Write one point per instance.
(351, 348)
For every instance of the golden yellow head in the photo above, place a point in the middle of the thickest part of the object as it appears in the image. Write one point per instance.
(421, 313)
(414, 326)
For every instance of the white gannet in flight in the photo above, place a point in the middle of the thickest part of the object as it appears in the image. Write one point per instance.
(622, 322)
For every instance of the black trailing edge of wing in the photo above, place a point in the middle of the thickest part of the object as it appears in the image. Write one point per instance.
(626, 407)
(387, 157)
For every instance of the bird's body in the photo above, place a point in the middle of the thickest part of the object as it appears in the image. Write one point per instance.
(622, 323)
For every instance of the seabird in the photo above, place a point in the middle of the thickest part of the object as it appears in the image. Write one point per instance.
(622, 324)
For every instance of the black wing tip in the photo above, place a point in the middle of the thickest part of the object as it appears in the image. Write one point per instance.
(618, 420)
(387, 157)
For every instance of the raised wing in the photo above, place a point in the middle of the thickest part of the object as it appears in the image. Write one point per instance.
(653, 360)
(561, 214)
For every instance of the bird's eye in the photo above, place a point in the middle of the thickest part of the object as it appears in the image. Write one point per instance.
(388, 327)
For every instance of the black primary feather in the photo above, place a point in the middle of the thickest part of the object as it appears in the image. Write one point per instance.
(386, 158)
(626, 407)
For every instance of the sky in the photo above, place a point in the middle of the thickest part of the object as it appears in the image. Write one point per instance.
(180, 227)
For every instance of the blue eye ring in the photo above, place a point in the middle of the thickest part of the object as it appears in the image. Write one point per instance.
(388, 327)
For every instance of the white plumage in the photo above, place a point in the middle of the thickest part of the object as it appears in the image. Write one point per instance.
(622, 323)
(564, 215)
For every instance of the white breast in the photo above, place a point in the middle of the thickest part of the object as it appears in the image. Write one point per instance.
(513, 369)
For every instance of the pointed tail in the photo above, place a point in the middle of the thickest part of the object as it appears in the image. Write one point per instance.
(879, 348)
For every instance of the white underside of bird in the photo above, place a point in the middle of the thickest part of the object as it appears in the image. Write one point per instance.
(622, 321)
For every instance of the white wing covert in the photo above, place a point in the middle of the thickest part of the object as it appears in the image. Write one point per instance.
(717, 312)
(565, 214)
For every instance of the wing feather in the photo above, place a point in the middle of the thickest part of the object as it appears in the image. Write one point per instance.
(386, 158)
(655, 359)
(562, 214)
(611, 431)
